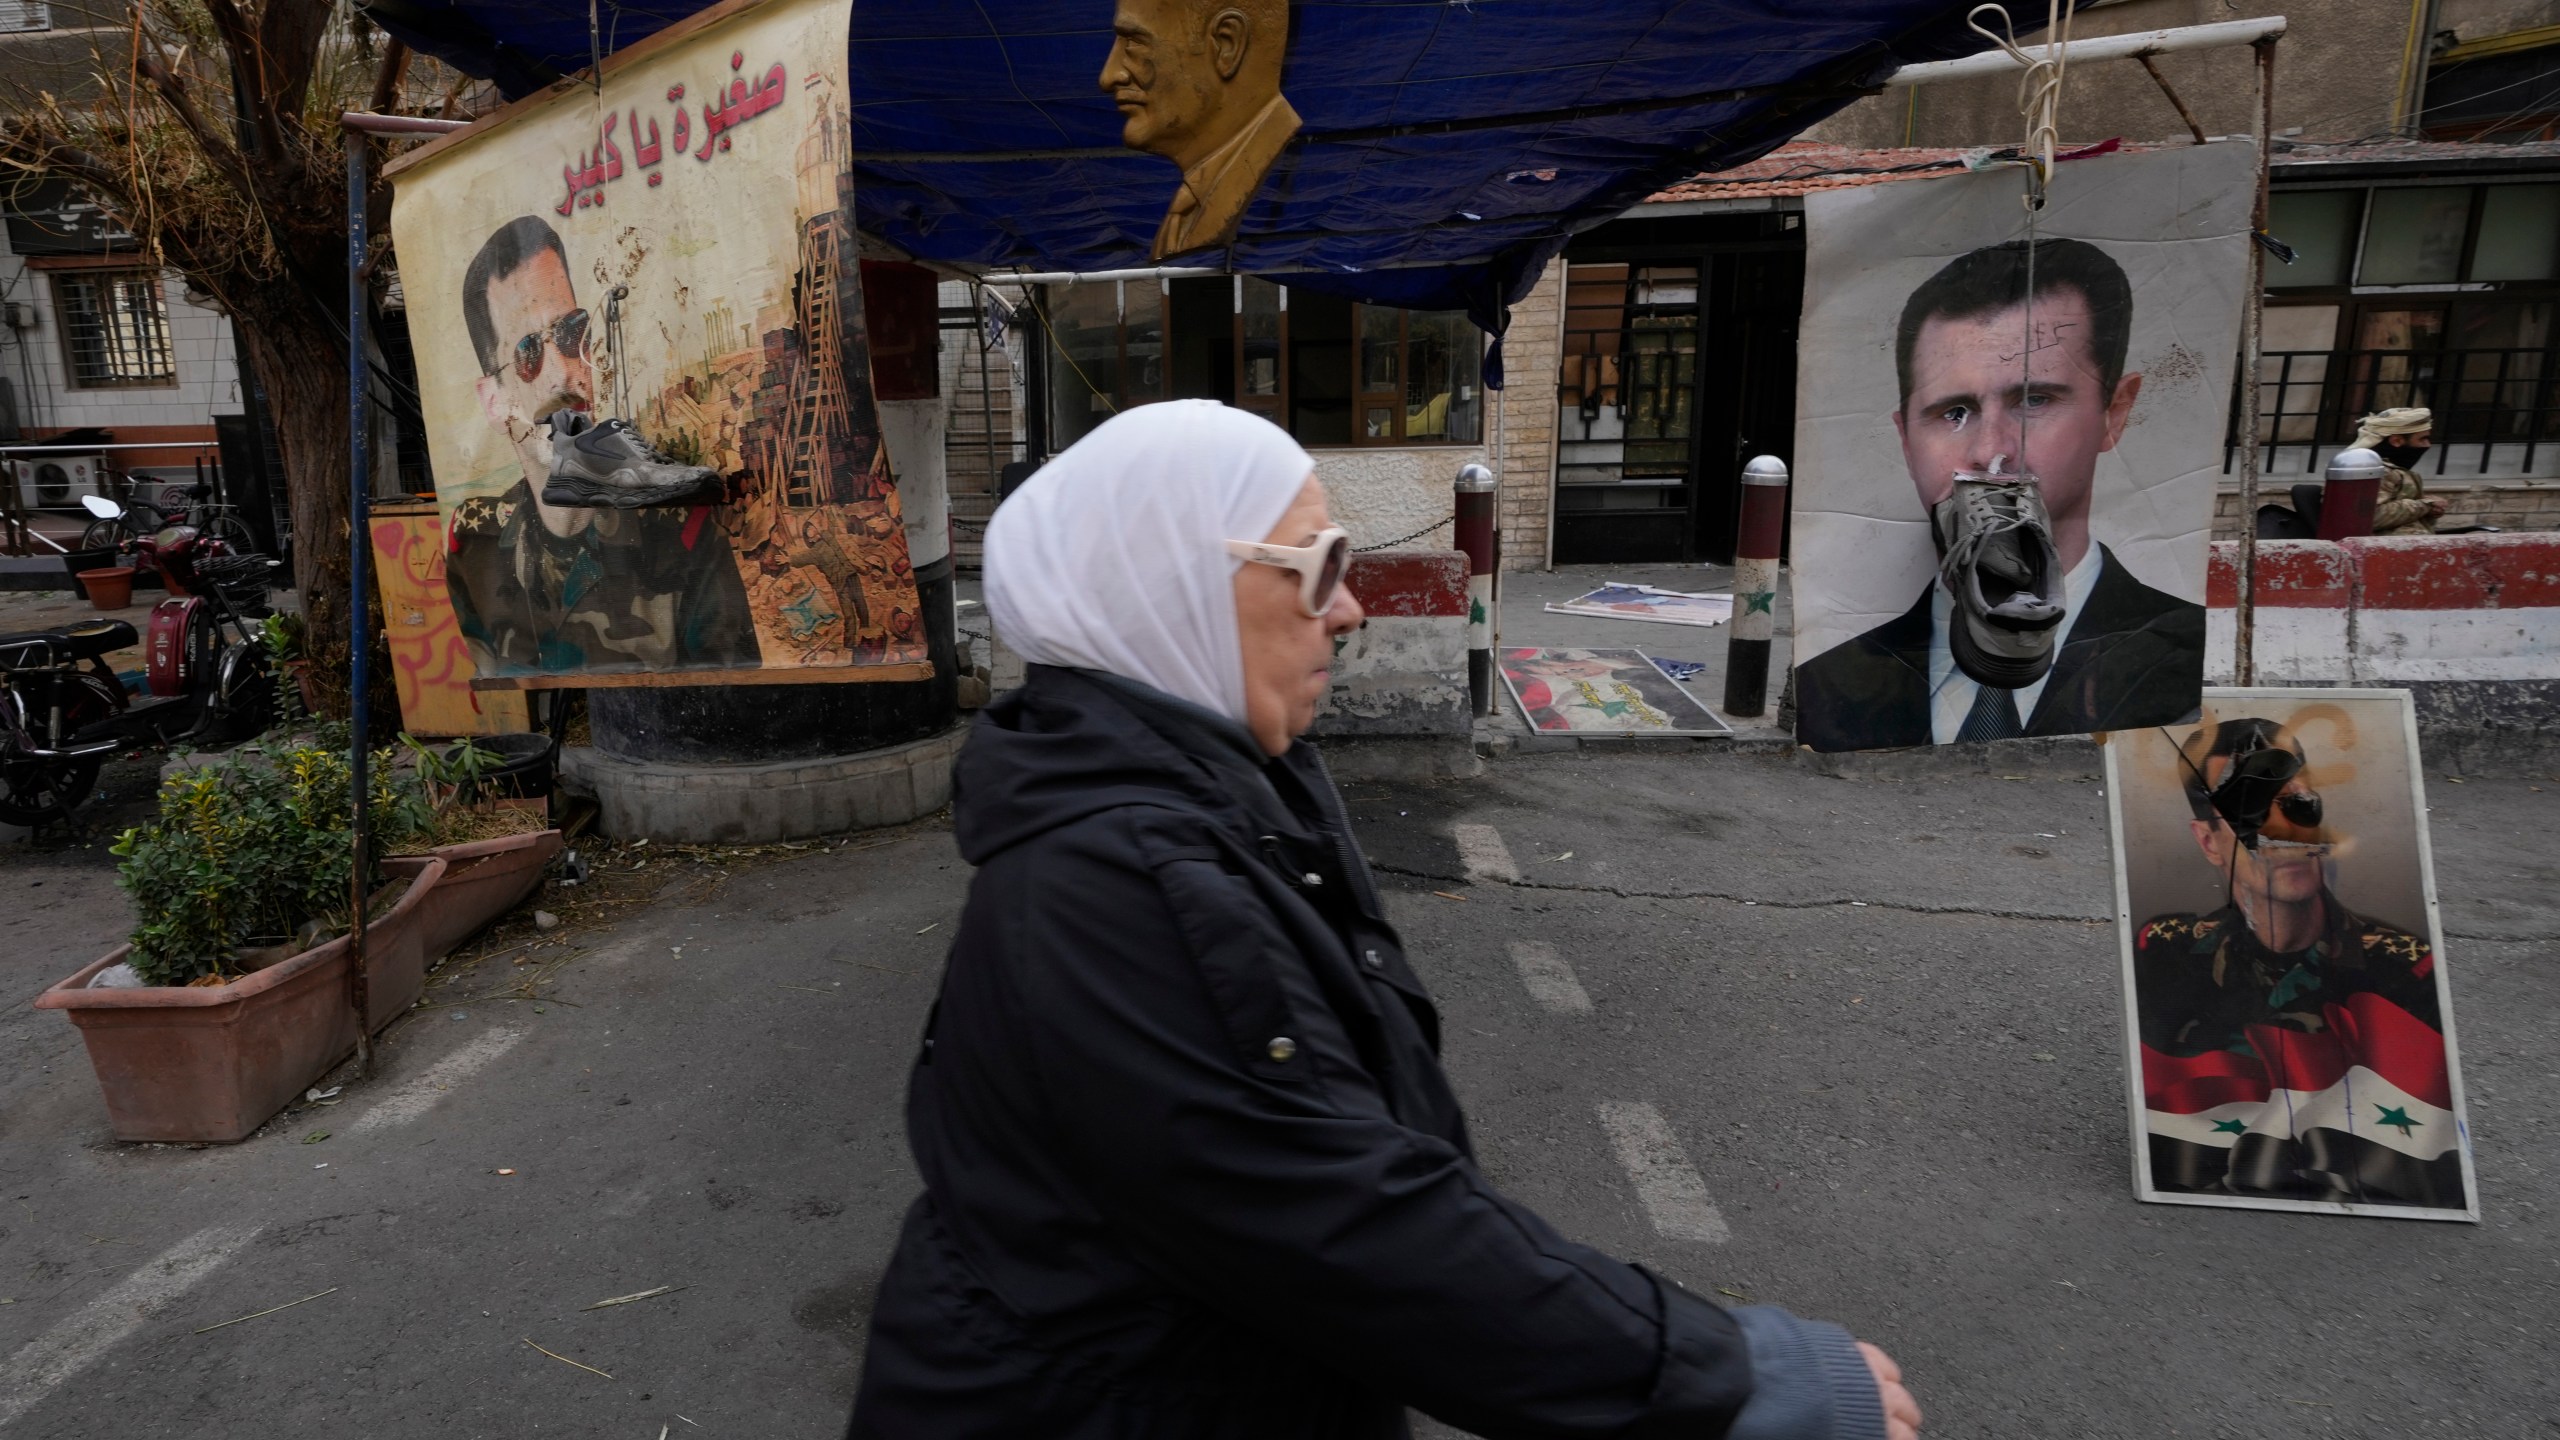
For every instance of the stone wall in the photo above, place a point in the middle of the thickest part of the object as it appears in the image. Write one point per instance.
(2339, 74)
(1531, 353)
(1403, 498)
(2507, 504)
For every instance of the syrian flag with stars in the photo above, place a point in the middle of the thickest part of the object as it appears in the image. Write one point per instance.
(2358, 1113)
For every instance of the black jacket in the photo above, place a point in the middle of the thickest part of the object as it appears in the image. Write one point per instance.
(1191, 1167)
(2134, 657)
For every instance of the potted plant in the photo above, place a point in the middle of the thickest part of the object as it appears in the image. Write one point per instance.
(283, 636)
(495, 842)
(232, 994)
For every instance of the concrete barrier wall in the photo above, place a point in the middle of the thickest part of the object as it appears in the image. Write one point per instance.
(2394, 610)
(1405, 672)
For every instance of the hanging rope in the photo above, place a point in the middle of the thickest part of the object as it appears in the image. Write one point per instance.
(2039, 88)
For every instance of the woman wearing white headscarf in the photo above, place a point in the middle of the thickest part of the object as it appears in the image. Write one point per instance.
(1191, 1167)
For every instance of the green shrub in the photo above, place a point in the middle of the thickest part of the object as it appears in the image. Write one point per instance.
(246, 851)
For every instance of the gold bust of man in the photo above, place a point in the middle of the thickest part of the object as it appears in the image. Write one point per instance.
(1198, 82)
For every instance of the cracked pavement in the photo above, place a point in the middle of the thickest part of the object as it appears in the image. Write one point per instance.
(1878, 1017)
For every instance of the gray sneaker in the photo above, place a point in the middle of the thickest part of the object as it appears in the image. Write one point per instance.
(606, 464)
(1995, 552)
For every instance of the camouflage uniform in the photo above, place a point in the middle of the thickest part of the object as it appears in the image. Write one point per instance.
(637, 590)
(2201, 980)
(2400, 506)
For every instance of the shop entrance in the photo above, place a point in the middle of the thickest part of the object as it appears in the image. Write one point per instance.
(1679, 366)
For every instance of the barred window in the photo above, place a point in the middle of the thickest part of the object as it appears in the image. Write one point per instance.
(115, 329)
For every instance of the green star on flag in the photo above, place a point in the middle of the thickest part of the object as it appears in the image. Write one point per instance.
(1475, 612)
(2396, 1116)
(2230, 1127)
(1759, 604)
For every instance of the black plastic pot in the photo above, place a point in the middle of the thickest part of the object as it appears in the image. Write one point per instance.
(527, 772)
(75, 561)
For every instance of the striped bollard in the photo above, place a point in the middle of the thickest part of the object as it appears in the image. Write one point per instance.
(1475, 536)
(1755, 585)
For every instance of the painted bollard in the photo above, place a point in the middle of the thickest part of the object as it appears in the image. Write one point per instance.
(1475, 537)
(1755, 585)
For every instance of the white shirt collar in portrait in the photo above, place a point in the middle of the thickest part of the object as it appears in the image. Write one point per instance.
(1951, 691)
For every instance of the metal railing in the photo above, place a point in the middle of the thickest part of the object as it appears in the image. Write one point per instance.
(2484, 400)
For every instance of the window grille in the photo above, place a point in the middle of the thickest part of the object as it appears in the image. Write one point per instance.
(115, 329)
(17, 15)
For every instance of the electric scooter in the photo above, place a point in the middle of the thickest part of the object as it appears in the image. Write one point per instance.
(63, 712)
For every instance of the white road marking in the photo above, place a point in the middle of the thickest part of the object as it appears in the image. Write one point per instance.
(69, 1347)
(1481, 850)
(1674, 1198)
(1551, 981)
(405, 1103)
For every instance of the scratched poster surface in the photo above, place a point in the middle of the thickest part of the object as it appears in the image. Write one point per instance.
(673, 248)
(1937, 404)
(1600, 692)
(429, 662)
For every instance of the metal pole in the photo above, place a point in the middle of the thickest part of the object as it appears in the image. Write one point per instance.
(2244, 615)
(1475, 536)
(1755, 586)
(359, 984)
(2348, 492)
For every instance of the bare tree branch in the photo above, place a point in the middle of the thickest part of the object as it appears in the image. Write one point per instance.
(388, 80)
(218, 150)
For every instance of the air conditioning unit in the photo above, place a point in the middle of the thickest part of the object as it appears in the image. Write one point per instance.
(57, 482)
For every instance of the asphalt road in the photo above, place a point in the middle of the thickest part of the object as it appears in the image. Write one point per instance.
(1848, 1045)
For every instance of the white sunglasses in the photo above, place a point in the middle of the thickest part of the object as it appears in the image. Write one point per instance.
(1319, 565)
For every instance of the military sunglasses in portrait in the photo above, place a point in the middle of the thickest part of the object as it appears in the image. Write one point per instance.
(568, 335)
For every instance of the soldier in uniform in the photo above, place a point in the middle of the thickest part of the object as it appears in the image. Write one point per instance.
(2285, 946)
(2401, 437)
(548, 587)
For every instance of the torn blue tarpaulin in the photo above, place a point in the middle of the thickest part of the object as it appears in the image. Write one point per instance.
(1449, 147)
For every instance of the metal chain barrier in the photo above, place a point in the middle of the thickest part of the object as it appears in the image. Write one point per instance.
(1401, 539)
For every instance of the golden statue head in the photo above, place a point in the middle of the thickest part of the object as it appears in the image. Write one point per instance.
(1198, 82)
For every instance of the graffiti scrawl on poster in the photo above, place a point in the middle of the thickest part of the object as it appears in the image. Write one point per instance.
(644, 367)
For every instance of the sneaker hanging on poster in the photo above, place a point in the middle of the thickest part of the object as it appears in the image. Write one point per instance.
(1995, 548)
(607, 464)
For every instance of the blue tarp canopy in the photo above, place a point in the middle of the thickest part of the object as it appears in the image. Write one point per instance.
(1449, 148)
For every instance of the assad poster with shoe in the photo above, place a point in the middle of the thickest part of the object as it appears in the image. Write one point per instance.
(645, 373)
(2289, 1032)
(2009, 429)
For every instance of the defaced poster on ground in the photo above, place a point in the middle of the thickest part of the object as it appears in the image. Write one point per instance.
(645, 373)
(2009, 430)
(2288, 1012)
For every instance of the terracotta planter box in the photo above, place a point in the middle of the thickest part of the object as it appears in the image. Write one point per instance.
(187, 1066)
(483, 879)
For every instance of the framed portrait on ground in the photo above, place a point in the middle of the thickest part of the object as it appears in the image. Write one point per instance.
(2289, 1034)
(644, 365)
(2009, 431)
(1601, 692)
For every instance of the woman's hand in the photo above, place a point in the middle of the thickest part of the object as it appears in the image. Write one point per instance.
(1901, 1412)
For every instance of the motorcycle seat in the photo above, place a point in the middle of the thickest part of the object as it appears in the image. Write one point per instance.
(77, 642)
(92, 638)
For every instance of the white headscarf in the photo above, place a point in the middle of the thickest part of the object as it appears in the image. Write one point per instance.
(2406, 420)
(1113, 556)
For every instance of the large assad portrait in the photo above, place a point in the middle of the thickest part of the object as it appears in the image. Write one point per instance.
(2008, 437)
(645, 372)
(1198, 82)
(2289, 1027)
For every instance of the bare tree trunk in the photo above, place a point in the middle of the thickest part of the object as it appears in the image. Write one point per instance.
(302, 367)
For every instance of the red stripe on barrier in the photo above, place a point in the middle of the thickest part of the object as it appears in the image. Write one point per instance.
(2292, 575)
(2457, 572)
(1410, 582)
